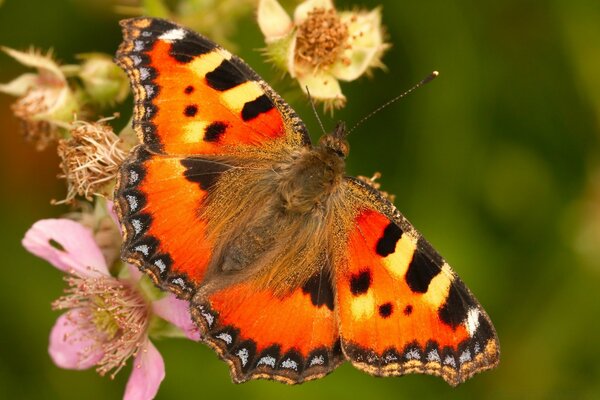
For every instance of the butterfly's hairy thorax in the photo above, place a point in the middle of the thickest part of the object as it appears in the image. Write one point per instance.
(292, 196)
(308, 181)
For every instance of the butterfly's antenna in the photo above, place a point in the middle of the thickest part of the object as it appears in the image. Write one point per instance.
(427, 79)
(312, 103)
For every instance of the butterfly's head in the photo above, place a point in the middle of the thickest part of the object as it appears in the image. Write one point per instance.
(336, 140)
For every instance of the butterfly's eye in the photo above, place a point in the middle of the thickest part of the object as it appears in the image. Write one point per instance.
(337, 145)
(343, 148)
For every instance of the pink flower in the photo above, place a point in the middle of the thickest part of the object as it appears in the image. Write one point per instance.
(108, 318)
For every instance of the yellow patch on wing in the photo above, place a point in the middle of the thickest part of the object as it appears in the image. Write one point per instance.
(438, 289)
(397, 263)
(208, 62)
(236, 97)
(363, 306)
(193, 132)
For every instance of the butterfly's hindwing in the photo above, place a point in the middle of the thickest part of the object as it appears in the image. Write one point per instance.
(158, 200)
(401, 308)
(291, 338)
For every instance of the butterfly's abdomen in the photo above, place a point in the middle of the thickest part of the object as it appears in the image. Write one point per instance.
(307, 182)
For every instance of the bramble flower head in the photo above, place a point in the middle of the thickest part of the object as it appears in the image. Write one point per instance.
(108, 319)
(46, 102)
(90, 159)
(104, 82)
(321, 45)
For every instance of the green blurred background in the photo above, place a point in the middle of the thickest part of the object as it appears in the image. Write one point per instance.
(496, 163)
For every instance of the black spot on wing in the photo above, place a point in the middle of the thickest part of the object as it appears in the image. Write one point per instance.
(458, 303)
(386, 245)
(191, 110)
(408, 310)
(254, 108)
(214, 131)
(385, 310)
(188, 89)
(320, 290)
(423, 267)
(191, 46)
(226, 76)
(360, 283)
(202, 171)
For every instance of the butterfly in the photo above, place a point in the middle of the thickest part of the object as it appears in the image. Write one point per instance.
(290, 267)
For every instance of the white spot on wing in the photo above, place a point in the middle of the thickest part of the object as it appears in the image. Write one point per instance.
(137, 226)
(144, 73)
(179, 282)
(267, 360)
(160, 264)
(137, 60)
(290, 364)
(449, 360)
(433, 356)
(138, 45)
(317, 360)
(133, 202)
(144, 249)
(226, 337)
(133, 176)
(465, 356)
(208, 317)
(173, 35)
(243, 356)
(390, 357)
(412, 354)
(472, 321)
(149, 90)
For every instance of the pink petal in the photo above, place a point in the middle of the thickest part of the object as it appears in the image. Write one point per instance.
(69, 348)
(134, 273)
(67, 245)
(177, 312)
(110, 206)
(147, 374)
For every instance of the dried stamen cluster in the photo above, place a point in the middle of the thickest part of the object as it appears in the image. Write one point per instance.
(321, 38)
(90, 159)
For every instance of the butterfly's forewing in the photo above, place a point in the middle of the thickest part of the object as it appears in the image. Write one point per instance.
(195, 103)
(401, 308)
(193, 97)
(290, 338)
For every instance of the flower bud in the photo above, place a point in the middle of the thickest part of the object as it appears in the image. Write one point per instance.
(46, 103)
(104, 82)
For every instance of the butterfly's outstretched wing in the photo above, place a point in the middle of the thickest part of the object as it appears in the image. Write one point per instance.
(195, 105)
(290, 338)
(193, 97)
(401, 308)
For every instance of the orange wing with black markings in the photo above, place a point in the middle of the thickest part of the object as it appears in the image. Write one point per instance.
(212, 132)
(401, 308)
(292, 338)
(158, 198)
(193, 97)
(194, 102)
